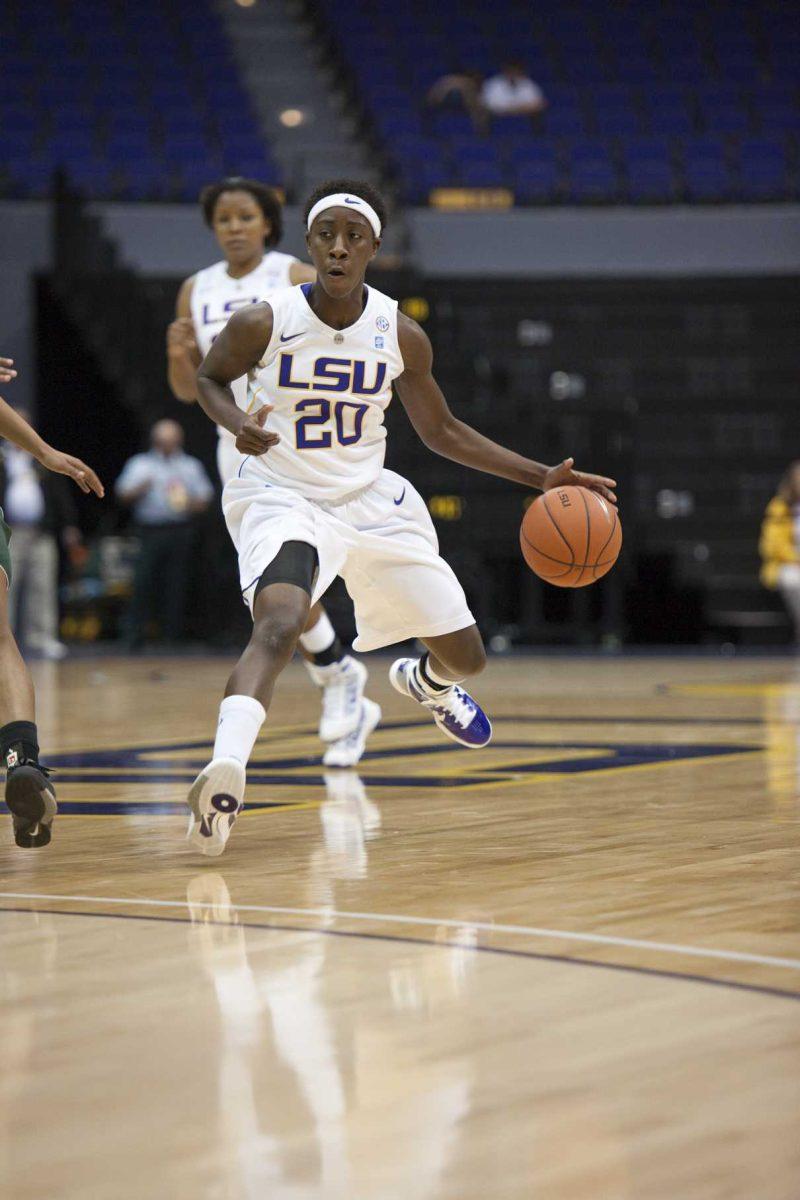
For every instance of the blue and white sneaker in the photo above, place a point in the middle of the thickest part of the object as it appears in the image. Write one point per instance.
(453, 710)
(215, 799)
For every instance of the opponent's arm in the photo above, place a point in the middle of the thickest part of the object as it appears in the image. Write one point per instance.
(239, 347)
(17, 430)
(443, 433)
(183, 353)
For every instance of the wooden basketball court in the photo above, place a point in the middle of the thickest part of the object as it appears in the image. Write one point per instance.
(565, 967)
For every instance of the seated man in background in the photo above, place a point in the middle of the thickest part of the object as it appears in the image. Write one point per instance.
(166, 488)
(39, 508)
(779, 544)
(512, 92)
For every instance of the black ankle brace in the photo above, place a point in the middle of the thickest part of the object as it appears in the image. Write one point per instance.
(19, 742)
(329, 656)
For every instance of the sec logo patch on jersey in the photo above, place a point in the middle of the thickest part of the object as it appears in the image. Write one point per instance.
(382, 324)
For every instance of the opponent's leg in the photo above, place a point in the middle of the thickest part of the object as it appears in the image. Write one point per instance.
(434, 682)
(280, 611)
(342, 679)
(29, 794)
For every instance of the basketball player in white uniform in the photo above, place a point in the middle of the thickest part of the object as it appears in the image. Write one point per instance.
(311, 498)
(246, 219)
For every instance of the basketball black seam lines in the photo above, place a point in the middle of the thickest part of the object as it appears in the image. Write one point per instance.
(608, 539)
(588, 531)
(558, 531)
(558, 560)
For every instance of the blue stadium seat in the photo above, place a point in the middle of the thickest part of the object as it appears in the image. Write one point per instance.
(484, 174)
(122, 147)
(92, 176)
(777, 111)
(30, 176)
(649, 170)
(564, 120)
(763, 169)
(616, 119)
(15, 117)
(706, 173)
(536, 179)
(670, 113)
(451, 124)
(592, 174)
(14, 143)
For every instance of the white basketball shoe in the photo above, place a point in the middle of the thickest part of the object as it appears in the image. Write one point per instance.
(215, 799)
(342, 686)
(347, 751)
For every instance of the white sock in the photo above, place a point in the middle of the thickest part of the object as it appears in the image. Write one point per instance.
(439, 682)
(240, 719)
(320, 637)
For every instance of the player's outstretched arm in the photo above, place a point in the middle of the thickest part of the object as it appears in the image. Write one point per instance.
(443, 433)
(17, 430)
(239, 347)
(183, 353)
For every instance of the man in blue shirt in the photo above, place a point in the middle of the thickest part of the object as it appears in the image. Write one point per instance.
(165, 488)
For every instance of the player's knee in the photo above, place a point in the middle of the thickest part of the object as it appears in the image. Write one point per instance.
(277, 632)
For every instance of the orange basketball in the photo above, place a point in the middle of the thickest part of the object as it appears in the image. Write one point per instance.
(570, 536)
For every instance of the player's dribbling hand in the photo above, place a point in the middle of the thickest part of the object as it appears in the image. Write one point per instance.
(253, 438)
(65, 464)
(564, 476)
(180, 336)
(6, 373)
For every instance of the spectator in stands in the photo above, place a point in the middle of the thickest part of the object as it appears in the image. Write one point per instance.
(512, 93)
(40, 510)
(165, 488)
(780, 544)
(461, 88)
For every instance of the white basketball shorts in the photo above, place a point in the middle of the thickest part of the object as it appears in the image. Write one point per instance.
(229, 459)
(382, 542)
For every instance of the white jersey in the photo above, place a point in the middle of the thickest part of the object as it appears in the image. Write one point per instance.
(216, 296)
(329, 389)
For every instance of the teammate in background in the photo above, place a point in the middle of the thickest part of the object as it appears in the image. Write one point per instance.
(30, 795)
(312, 499)
(779, 545)
(246, 220)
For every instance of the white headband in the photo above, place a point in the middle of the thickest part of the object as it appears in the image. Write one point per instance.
(343, 200)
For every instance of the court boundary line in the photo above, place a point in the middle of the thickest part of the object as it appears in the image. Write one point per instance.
(425, 943)
(597, 939)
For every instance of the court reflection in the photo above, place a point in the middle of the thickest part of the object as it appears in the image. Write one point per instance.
(330, 1079)
(781, 713)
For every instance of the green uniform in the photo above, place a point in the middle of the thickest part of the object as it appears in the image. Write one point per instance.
(5, 538)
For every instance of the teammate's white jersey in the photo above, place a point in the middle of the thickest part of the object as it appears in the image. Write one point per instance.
(216, 296)
(330, 389)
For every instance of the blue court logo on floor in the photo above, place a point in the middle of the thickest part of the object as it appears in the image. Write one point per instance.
(411, 765)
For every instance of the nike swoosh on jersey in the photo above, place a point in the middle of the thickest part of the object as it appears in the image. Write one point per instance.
(402, 497)
(288, 337)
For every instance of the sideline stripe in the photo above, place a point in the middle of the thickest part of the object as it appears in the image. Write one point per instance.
(426, 944)
(597, 939)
